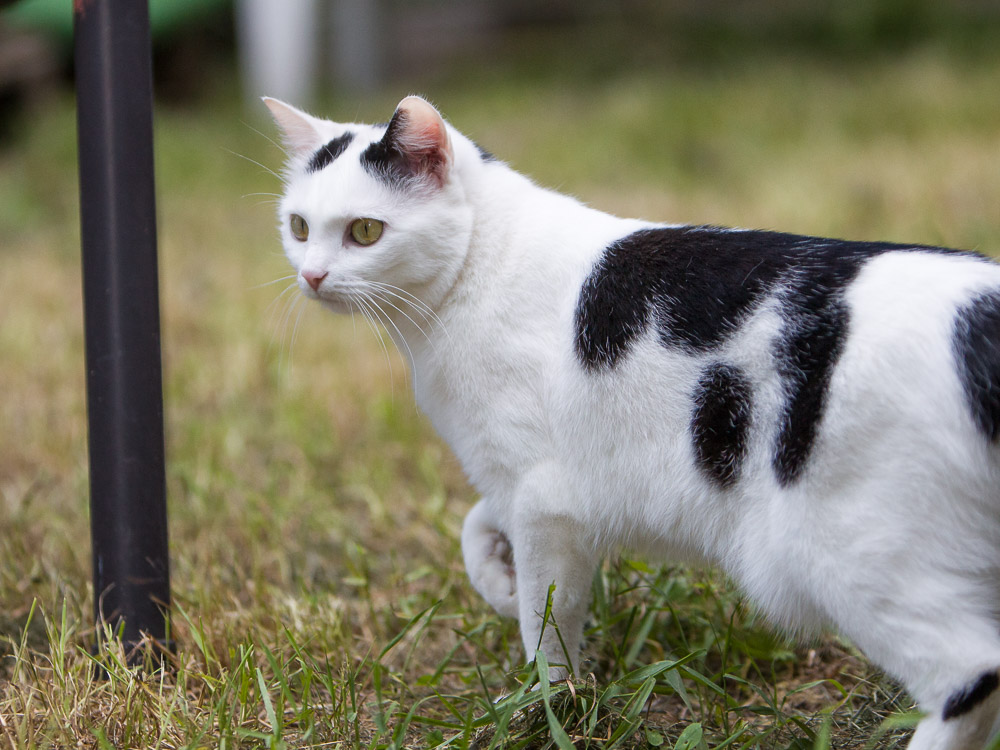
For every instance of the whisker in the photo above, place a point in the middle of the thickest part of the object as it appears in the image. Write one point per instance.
(267, 169)
(265, 136)
(418, 305)
(276, 281)
(375, 295)
(284, 360)
(410, 298)
(278, 298)
(386, 296)
(399, 333)
(373, 322)
(295, 328)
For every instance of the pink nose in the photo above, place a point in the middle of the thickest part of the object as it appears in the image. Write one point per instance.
(314, 278)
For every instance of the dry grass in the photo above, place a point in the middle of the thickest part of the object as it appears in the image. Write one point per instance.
(315, 516)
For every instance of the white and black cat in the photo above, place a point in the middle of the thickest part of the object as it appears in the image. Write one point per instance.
(817, 417)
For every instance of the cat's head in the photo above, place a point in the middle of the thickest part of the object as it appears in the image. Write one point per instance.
(373, 207)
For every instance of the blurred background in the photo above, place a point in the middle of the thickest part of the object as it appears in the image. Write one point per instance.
(299, 471)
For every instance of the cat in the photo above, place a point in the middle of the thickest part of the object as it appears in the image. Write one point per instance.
(817, 417)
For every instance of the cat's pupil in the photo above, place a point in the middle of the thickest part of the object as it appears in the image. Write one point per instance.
(366, 231)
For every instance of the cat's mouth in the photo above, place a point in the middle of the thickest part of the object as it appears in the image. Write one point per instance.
(336, 298)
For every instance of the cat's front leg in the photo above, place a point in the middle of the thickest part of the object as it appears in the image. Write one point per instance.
(555, 568)
(489, 560)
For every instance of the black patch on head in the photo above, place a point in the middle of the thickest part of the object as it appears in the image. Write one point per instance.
(699, 284)
(976, 344)
(326, 154)
(721, 422)
(384, 159)
(971, 695)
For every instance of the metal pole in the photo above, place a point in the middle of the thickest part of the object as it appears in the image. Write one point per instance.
(121, 315)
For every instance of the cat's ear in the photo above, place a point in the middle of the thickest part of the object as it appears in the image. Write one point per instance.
(300, 132)
(417, 141)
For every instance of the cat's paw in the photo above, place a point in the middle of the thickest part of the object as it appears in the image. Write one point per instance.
(489, 561)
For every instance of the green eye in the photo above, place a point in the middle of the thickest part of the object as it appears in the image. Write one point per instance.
(300, 230)
(366, 231)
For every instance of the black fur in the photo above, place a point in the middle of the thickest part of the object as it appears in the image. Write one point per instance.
(483, 153)
(383, 158)
(699, 284)
(970, 696)
(326, 154)
(977, 349)
(813, 337)
(721, 422)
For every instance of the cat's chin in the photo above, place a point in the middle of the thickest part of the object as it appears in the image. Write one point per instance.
(336, 305)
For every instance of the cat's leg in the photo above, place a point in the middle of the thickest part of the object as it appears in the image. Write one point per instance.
(969, 718)
(489, 560)
(555, 568)
(946, 652)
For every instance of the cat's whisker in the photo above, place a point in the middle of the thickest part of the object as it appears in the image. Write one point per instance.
(284, 361)
(295, 327)
(266, 137)
(271, 309)
(373, 322)
(372, 299)
(377, 295)
(281, 178)
(275, 281)
(403, 295)
(381, 295)
(414, 302)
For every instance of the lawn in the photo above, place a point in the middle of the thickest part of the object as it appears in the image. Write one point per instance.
(320, 599)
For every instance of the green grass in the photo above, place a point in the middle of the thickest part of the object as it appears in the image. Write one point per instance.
(320, 599)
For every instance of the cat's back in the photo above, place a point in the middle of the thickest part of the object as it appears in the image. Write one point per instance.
(775, 361)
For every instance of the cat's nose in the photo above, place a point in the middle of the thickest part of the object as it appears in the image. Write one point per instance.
(314, 278)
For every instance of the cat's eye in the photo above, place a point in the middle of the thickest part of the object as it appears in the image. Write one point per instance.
(299, 227)
(366, 231)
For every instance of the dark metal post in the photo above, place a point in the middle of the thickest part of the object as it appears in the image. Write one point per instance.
(122, 319)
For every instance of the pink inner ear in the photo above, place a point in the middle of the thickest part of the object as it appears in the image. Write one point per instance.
(424, 137)
(297, 129)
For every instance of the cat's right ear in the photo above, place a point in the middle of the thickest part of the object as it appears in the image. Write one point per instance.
(300, 132)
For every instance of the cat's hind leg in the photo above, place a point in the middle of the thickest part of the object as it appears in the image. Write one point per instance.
(944, 646)
(489, 560)
(968, 719)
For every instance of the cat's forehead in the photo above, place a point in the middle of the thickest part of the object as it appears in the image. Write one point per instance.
(339, 140)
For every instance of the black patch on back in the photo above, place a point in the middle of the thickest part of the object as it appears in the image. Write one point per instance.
(812, 340)
(976, 344)
(721, 422)
(326, 154)
(971, 696)
(699, 284)
(483, 153)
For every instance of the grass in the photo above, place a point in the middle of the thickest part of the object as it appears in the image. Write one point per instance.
(319, 594)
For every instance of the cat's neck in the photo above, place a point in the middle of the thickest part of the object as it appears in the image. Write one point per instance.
(526, 247)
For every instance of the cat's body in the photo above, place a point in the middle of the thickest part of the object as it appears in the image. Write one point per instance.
(816, 417)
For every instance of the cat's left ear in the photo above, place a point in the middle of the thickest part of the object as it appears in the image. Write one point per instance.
(417, 141)
(300, 131)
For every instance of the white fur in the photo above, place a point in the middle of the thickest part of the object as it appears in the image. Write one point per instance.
(891, 534)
